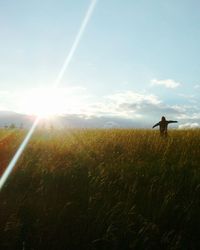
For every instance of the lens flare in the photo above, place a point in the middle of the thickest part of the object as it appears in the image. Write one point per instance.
(18, 154)
(67, 61)
(76, 42)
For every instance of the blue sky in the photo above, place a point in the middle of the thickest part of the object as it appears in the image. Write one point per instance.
(136, 60)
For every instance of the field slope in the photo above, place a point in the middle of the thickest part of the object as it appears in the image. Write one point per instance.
(101, 189)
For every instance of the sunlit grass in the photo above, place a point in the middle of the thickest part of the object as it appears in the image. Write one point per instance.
(102, 189)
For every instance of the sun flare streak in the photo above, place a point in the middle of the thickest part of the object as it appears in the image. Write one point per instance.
(68, 59)
(18, 154)
(76, 42)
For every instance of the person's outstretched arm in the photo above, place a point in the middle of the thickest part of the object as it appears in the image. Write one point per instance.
(172, 121)
(157, 124)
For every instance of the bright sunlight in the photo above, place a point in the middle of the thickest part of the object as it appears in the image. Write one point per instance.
(46, 102)
(43, 102)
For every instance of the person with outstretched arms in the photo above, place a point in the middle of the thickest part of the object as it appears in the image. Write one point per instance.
(163, 126)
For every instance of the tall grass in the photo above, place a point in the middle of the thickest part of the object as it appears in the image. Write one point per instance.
(102, 189)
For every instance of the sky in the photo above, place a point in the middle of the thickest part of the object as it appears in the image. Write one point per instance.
(136, 60)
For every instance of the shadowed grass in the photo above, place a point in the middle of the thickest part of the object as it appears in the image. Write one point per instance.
(103, 189)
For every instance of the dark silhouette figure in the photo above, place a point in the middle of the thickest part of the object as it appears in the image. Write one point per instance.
(163, 126)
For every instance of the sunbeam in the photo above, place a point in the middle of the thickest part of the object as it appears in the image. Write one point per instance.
(18, 154)
(20, 150)
(76, 42)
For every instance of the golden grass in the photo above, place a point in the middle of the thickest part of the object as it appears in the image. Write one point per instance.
(102, 189)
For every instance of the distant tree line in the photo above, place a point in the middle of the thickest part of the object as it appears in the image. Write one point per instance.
(13, 126)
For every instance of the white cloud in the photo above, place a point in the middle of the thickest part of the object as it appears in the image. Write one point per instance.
(134, 97)
(187, 96)
(2, 107)
(187, 125)
(168, 83)
(126, 104)
(145, 108)
(189, 115)
(179, 108)
(142, 107)
(197, 86)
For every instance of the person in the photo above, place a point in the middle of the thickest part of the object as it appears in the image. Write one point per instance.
(163, 126)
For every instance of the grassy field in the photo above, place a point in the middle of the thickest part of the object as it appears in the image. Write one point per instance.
(101, 189)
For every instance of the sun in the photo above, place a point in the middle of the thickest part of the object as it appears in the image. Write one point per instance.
(48, 102)
(43, 102)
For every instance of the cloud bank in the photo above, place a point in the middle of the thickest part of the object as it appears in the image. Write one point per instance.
(189, 125)
(120, 109)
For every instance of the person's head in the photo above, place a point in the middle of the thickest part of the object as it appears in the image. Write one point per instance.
(163, 118)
